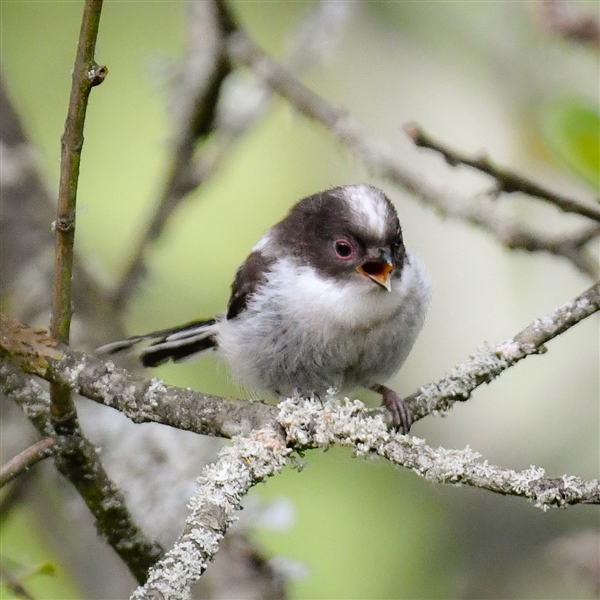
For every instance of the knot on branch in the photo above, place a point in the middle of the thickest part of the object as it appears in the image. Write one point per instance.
(65, 223)
(96, 74)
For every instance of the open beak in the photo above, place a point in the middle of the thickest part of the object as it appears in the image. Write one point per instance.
(379, 269)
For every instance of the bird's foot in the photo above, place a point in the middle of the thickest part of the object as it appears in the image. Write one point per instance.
(401, 417)
(307, 395)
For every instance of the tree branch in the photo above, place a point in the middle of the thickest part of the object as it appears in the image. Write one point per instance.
(507, 181)
(26, 459)
(261, 450)
(486, 364)
(382, 162)
(206, 66)
(140, 399)
(315, 424)
(310, 425)
(104, 499)
(212, 94)
(143, 400)
(222, 485)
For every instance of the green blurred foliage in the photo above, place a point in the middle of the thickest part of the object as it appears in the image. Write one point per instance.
(31, 560)
(571, 127)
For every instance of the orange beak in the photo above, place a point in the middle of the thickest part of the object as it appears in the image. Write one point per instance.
(379, 270)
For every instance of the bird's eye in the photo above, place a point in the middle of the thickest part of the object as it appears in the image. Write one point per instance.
(344, 249)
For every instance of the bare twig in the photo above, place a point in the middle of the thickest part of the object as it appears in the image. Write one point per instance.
(382, 162)
(26, 459)
(222, 485)
(86, 74)
(507, 181)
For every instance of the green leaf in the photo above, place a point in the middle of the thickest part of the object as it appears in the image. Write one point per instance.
(571, 129)
(46, 568)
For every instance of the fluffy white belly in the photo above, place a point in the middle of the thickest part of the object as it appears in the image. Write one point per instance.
(306, 332)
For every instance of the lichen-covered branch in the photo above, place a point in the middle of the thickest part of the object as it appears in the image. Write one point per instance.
(486, 364)
(144, 400)
(507, 181)
(222, 485)
(303, 423)
(308, 424)
(482, 212)
(141, 400)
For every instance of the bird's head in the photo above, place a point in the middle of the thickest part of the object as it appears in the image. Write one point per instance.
(346, 233)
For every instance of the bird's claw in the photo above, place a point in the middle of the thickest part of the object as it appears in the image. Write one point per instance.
(401, 417)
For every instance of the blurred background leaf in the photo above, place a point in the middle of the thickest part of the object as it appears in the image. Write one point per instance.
(571, 128)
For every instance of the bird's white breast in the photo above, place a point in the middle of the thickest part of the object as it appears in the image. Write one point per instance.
(304, 331)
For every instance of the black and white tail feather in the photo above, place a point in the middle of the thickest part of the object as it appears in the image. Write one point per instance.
(176, 344)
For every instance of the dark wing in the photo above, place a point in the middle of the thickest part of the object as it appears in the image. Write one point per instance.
(250, 275)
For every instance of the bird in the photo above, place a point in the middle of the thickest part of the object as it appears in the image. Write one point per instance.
(329, 297)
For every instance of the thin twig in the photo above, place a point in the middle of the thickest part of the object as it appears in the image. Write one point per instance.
(26, 459)
(382, 162)
(86, 74)
(507, 181)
